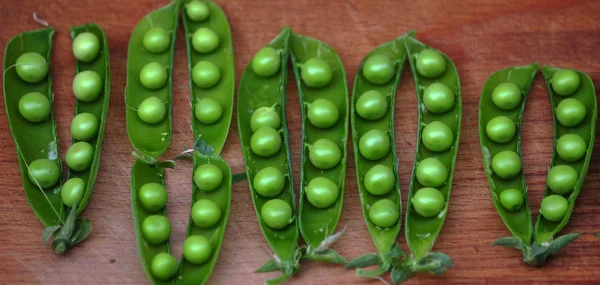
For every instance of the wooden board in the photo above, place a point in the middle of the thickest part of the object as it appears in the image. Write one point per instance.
(480, 36)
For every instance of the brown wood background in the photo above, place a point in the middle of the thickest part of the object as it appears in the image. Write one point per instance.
(480, 36)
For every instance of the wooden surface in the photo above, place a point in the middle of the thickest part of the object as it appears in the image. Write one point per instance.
(480, 36)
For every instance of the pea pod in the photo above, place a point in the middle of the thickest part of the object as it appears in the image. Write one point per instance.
(261, 94)
(149, 81)
(98, 108)
(212, 72)
(376, 116)
(324, 130)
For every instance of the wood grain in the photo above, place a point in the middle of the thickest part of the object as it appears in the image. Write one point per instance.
(480, 36)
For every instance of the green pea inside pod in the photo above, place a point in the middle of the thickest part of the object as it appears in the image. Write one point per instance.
(277, 214)
(374, 145)
(153, 197)
(153, 76)
(31, 67)
(87, 86)
(561, 179)
(570, 112)
(208, 111)
(206, 213)
(554, 208)
(197, 11)
(266, 62)
(430, 63)
(437, 136)
(84, 126)
(152, 111)
(379, 180)
(265, 117)
(86, 47)
(205, 40)
(506, 164)
(438, 98)
(322, 113)
(501, 129)
(265, 142)
(269, 182)
(197, 249)
(571, 147)
(316, 73)
(79, 156)
(511, 199)
(432, 173)
(506, 96)
(156, 229)
(371, 105)
(321, 192)
(72, 191)
(208, 177)
(43, 172)
(163, 266)
(156, 40)
(428, 202)
(378, 69)
(324, 154)
(205, 74)
(35, 107)
(384, 213)
(565, 82)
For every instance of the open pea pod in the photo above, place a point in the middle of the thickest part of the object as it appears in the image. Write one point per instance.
(209, 41)
(438, 136)
(324, 112)
(98, 108)
(376, 114)
(150, 139)
(545, 229)
(518, 221)
(260, 94)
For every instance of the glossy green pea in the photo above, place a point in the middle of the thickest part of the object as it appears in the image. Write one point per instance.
(197, 11)
(266, 62)
(196, 249)
(156, 40)
(208, 177)
(204, 40)
(431, 172)
(371, 105)
(265, 142)
(321, 192)
(384, 213)
(205, 74)
(152, 111)
(430, 63)
(561, 179)
(265, 117)
(153, 197)
(34, 106)
(87, 86)
(565, 82)
(156, 229)
(86, 46)
(506, 96)
(153, 76)
(428, 202)
(269, 182)
(32, 67)
(501, 129)
(438, 98)
(322, 113)
(511, 199)
(316, 73)
(325, 154)
(79, 156)
(554, 208)
(44, 172)
(206, 213)
(570, 112)
(437, 136)
(571, 147)
(84, 127)
(378, 69)
(374, 145)
(277, 214)
(506, 164)
(379, 180)
(72, 191)
(208, 111)
(163, 266)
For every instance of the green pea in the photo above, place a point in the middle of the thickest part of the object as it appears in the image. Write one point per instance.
(570, 112)
(80, 156)
(325, 154)
(506, 96)
(45, 172)
(204, 40)
(205, 74)
(34, 106)
(156, 229)
(501, 129)
(164, 266)
(32, 67)
(266, 62)
(206, 213)
(86, 47)
(438, 98)
(156, 40)
(197, 249)
(506, 164)
(84, 127)
(197, 11)
(378, 69)
(322, 113)
(153, 76)
(384, 213)
(430, 63)
(87, 86)
(379, 180)
(374, 145)
(208, 177)
(277, 214)
(561, 179)
(321, 192)
(554, 208)
(565, 82)
(208, 111)
(571, 147)
(152, 111)
(316, 73)
(268, 182)
(265, 142)
(511, 199)
(428, 202)
(431, 172)
(371, 105)
(72, 191)
(437, 136)
(153, 197)
(265, 117)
